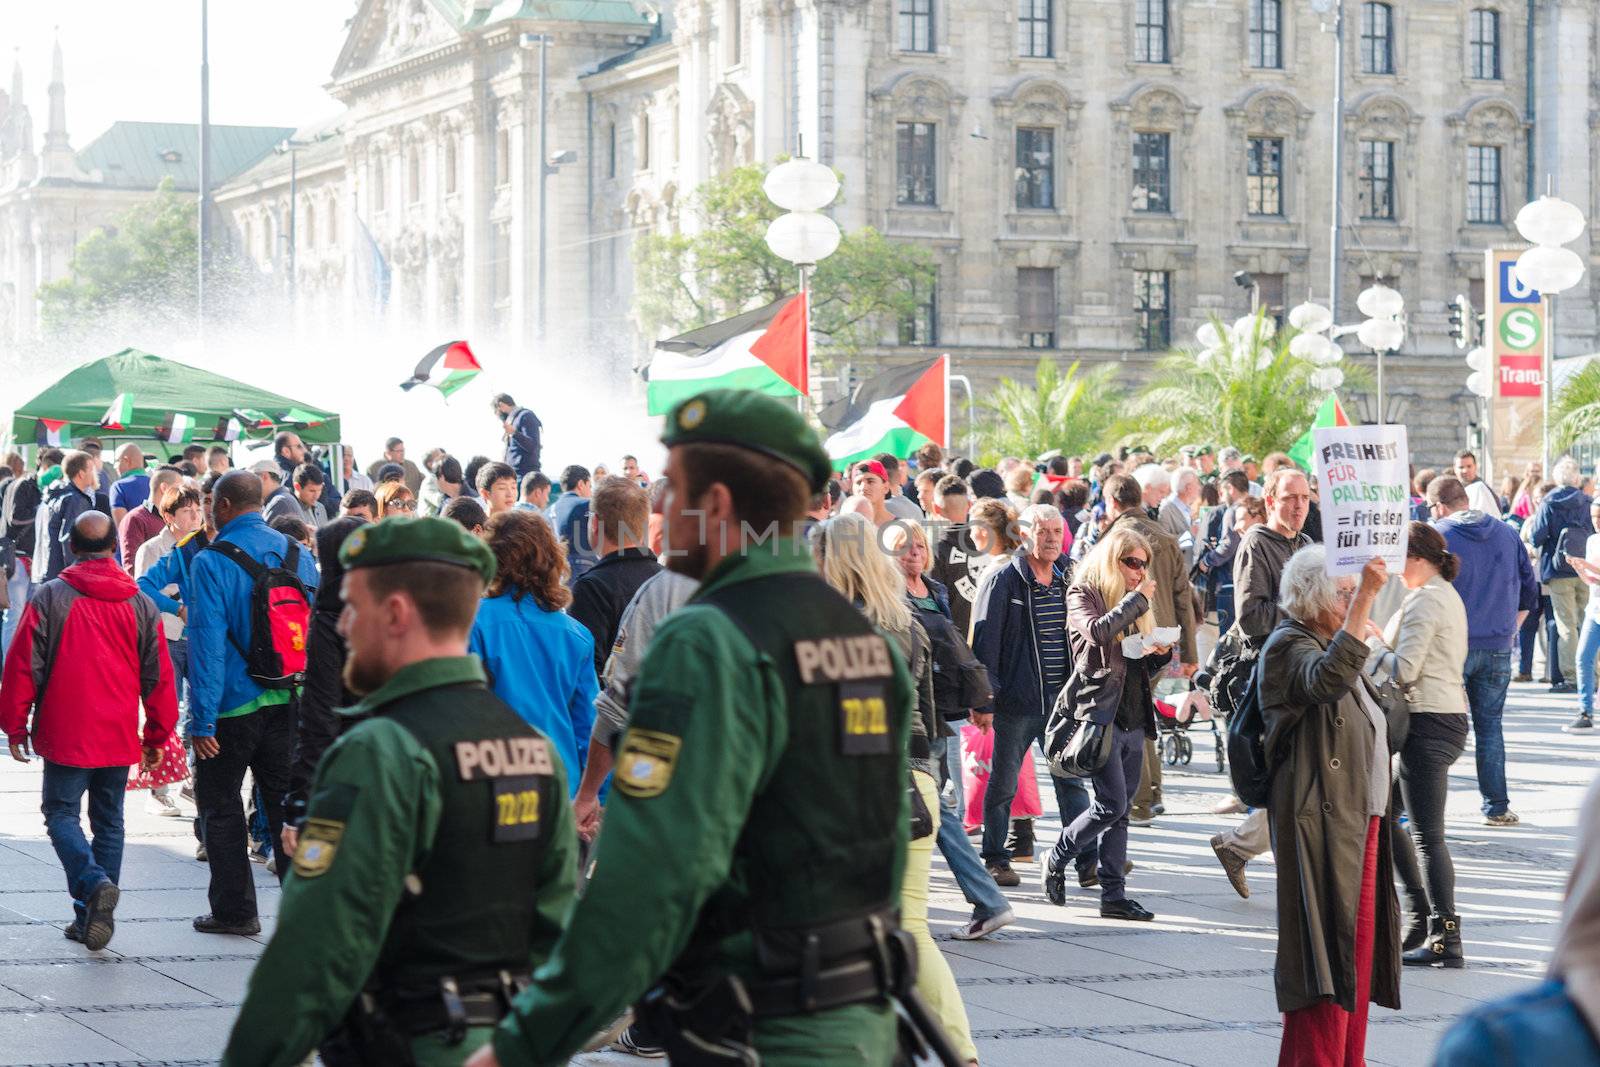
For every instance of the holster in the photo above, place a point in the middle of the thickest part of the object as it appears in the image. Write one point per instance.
(707, 1026)
(367, 1036)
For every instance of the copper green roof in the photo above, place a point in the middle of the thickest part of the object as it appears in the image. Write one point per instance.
(468, 17)
(138, 155)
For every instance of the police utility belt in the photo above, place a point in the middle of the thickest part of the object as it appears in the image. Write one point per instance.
(451, 1006)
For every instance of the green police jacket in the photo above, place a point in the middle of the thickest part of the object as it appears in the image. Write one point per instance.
(709, 728)
(378, 812)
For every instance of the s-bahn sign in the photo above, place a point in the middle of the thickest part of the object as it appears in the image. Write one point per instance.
(1515, 333)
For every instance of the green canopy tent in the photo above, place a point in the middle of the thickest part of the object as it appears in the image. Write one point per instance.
(166, 402)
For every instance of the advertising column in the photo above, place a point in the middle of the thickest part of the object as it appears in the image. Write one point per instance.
(1514, 328)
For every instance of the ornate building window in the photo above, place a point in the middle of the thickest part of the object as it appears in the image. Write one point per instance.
(920, 327)
(500, 263)
(733, 26)
(1269, 295)
(1483, 184)
(247, 238)
(1150, 32)
(379, 183)
(916, 164)
(1266, 34)
(332, 235)
(915, 25)
(1485, 43)
(1264, 176)
(1152, 172)
(611, 150)
(1035, 36)
(1152, 309)
(308, 225)
(1375, 180)
(1036, 306)
(1377, 38)
(450, 176)
(642, 146)
(502, 156)
(1036, 168)
(413, 176)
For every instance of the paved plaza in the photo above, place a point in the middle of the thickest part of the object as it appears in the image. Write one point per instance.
(1059, 986)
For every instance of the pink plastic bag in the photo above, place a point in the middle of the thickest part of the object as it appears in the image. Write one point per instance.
(977, 756)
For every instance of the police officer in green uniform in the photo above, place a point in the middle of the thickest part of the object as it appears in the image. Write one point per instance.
(750, 862)
(438, 857)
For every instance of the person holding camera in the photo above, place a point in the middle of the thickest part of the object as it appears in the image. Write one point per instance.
(1108, 623)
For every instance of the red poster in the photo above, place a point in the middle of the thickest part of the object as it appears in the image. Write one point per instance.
(1521, 375)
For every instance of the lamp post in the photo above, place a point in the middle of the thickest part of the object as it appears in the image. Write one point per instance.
(1335, 8)
(802, 235)
(1383, 332)
(205, 170)
(1549, 268)
(548, 164)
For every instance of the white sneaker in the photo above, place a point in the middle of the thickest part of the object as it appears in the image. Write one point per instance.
(162, 804)
(977, 928)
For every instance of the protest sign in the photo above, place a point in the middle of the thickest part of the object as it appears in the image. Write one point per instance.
(1364, 477)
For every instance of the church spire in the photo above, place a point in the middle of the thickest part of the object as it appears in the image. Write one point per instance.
(56, 135)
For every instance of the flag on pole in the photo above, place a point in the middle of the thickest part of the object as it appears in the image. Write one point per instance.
(299, 419)
(1329, 414)
(898, 411)
(119, 415)
(373, 269)
(446, 368)
(766, 350)
(227, 429)
(50, 432)
(253, 419)
(176, 429)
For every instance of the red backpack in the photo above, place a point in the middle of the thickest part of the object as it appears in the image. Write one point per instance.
(280, 618)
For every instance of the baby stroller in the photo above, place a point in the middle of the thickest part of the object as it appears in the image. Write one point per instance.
(1172, 728)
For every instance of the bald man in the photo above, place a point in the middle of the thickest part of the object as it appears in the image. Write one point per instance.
(132, 486)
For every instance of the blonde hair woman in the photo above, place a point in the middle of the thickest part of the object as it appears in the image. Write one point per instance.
(1107, 605)
(850, 558)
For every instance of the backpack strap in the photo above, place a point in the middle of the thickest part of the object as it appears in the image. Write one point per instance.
(291, 558)
(232, 551)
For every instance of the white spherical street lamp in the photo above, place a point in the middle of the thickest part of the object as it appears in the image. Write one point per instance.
(801, 185)
(1380, 302)
(1550, 269)
(1550, 220)
(803, 237)
(1547, 267)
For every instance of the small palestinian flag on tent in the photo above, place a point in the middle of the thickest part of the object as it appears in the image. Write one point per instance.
(766, 350)
(51, 433)
(298, 419)
(897, 412)
(252, 419)
(1329, 414)
(446, 368)
(227, 429)
(119, 415)
(176, 429)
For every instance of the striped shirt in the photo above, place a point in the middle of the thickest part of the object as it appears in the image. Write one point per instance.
(1050, 634)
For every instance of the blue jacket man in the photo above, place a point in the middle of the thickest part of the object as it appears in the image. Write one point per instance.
(1560, 528)
(522, 435)
(569, 517)
(235, 724)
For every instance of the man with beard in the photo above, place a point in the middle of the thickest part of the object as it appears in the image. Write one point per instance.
(753, 848)
(438, 854)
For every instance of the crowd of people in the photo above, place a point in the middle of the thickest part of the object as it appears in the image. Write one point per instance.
(1094, 591)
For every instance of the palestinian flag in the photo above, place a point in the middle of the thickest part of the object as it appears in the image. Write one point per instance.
(767, 350)
(119, 415)
(898, 412)
(446, 368)
(227, 429)
(299, 419)
(51, 433)
(1329, 414)
(176, 429)
(252, 419)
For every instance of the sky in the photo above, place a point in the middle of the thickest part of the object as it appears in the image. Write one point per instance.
(140, 60)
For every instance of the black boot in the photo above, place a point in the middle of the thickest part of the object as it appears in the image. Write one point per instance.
(1021, 844)
(1417, 932)
(1443, 948)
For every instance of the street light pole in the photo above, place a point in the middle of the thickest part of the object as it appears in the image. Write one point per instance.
(294, 205)
(544, 175)
(205, 169)
(1335, 236)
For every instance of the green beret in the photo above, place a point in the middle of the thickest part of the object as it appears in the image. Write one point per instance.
(750, 420)
(416, 541)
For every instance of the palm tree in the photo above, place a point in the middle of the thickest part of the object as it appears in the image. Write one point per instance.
(1068, 411)
(1250, 391)
(1575, 407)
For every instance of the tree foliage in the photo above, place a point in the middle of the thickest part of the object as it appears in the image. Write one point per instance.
(1070, 411)
(1251, 392)
(1575, 408)
(687, 280)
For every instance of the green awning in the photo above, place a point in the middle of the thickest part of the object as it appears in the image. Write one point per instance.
(160, 389)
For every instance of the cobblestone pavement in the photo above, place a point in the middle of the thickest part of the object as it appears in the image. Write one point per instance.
(1059, 986)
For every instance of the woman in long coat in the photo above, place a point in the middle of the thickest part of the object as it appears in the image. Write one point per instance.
(1325, 738)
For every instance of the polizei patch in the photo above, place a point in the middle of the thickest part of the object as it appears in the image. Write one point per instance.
(829, 660)
(502, 757)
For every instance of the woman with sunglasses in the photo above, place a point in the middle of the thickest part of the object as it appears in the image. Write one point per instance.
(1108, 616)
(395, 500)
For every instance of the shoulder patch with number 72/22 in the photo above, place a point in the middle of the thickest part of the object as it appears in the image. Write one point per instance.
(645, 762)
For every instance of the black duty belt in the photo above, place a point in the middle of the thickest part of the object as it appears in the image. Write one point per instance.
(455, 1003)
(846, 961)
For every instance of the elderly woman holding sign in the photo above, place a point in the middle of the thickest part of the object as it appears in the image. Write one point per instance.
(1326, 742)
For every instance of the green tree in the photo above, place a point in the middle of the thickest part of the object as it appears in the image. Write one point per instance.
(1575, 408)
(141, 268)
(1069, 411)
(687, 280)
(1251, 392)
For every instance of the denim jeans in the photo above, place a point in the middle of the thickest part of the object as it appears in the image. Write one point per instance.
(1012, 736)
(1588, 648)
(86, 866)
(1433, 744)
(258, 742)
(1528, 638)
(950, 773)
(1107, 821)
(19, 589)
(976, 885)
(1487, 676)
(1224, 608)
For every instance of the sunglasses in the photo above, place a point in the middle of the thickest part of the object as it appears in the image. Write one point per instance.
(1134, 562)
(400, 505)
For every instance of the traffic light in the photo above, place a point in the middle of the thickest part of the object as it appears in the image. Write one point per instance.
(1463, 321)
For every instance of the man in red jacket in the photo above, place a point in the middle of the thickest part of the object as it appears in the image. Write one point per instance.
(87, 650)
